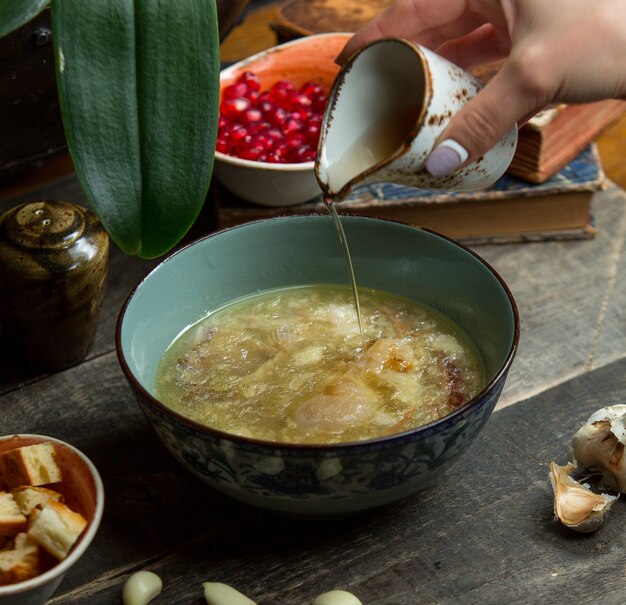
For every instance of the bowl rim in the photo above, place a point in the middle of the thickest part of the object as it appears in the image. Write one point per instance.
(283, 167)
(287, 167)
(85, 540)
(386, 440)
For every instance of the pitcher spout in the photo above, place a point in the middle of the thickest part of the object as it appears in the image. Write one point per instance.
(373, 115)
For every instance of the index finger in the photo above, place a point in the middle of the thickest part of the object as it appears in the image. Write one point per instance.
(405, 19)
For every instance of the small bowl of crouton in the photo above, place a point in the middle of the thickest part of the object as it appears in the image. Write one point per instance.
(51, 504)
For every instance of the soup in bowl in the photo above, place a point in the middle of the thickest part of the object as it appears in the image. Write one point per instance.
(245, 355)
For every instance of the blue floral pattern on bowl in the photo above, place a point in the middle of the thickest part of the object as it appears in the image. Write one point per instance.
(331, 480)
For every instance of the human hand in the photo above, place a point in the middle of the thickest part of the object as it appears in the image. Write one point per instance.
(568, 51)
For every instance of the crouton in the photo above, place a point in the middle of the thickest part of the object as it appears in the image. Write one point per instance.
(28, 497)
(12, 521)
(21, 562)
(30, 465)
(56, 528)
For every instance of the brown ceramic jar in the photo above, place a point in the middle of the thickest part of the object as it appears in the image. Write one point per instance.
(53, 269)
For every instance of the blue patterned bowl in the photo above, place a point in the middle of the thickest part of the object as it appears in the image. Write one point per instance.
(331, 479)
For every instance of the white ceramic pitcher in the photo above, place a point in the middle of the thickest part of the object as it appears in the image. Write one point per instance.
(394, 77)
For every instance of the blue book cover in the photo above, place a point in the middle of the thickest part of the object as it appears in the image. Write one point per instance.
(583, 173)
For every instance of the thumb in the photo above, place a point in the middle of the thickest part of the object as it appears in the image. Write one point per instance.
(481, 123)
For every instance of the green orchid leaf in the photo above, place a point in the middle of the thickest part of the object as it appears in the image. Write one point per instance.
(139, 90)
(15, 13)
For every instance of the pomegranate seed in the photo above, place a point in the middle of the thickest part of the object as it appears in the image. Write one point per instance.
(278, 125)
(222, 145)
(234, 108)
(311, 90)
(299, 115)
(252, 153)
(235, 91)
(283, 85)
(242, 147)
(292, 126)
(253, 95)
(275, 134)
(281, 92)
(312, 133)
(266, 107)
(252, 115)
(277, 116)
(273, 158)
(300, 101)
(303, 153)
(251, 79)
(295, 140)
(282, 149)
(319, 104)
(256, 127)
(262, 141)
(238, 133)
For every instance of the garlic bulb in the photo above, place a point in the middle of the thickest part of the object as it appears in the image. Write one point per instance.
(575, 505)
(599, 446)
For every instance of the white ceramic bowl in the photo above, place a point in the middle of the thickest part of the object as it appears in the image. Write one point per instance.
(83, 492)
(267, 184)
(306, 59)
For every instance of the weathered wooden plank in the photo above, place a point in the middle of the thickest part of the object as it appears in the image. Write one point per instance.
(611, 334)
(484, 527)
(568, 294)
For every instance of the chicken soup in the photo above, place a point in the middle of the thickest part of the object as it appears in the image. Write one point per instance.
(289, 366)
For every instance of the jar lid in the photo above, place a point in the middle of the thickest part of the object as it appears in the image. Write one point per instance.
(44, 225)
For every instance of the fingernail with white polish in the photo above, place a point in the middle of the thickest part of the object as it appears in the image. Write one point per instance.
(446, 158)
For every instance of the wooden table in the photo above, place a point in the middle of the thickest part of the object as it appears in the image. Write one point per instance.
(484, 534)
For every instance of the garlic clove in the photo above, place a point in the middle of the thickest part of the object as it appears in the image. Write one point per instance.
(141, 587)
(216, 593)
(575, 505)
(337, 597)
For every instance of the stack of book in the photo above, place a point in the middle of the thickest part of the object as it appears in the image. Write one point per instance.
(549, 140)
(512, 210)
